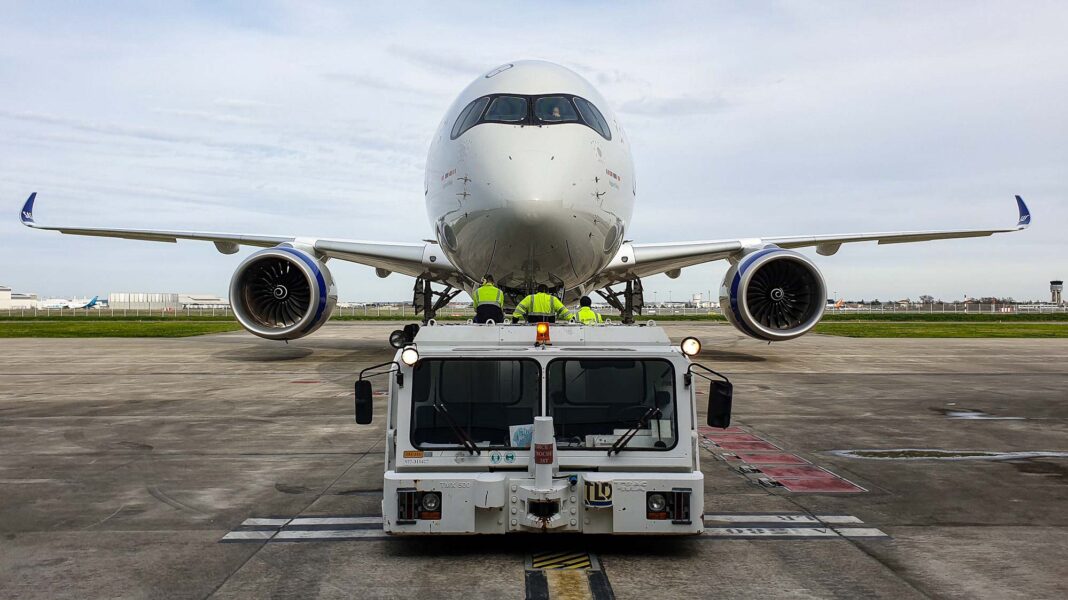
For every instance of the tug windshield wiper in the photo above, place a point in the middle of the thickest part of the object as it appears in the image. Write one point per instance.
(630, 433)
(465, 440)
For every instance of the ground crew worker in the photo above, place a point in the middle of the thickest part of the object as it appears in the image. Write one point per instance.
(586, 314)
(541, 306)
(489, 302)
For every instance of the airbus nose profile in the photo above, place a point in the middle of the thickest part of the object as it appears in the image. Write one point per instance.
(532, 188)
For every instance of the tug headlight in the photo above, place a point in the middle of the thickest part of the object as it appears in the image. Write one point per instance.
(410, 356)
(431, 502)
(397, 339)
(691, 346)
(656, 503)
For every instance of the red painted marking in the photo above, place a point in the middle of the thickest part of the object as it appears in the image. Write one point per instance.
(704, 429)
(821, 484)
(744, 445)
(733, 437)
(798, 471)
(771, 458)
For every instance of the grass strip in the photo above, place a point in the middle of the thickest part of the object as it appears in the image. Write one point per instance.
(110, 328)
(944, 330)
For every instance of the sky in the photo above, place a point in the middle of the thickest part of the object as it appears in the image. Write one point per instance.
(746, 119)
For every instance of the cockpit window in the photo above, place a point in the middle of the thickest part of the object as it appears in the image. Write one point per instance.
(469, 117)
(510, 109)
(554, 109)
(551, 109)
(593, 117)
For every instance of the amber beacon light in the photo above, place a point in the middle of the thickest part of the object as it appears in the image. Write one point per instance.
(543, 335)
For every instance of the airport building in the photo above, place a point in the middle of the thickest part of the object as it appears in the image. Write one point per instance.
(143, 301)
(14, 300)
(1055, 288)
(202, 301)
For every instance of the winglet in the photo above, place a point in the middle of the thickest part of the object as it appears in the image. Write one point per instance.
(27, 211)
(1025, 215)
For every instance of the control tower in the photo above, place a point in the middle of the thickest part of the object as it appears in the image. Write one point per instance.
(1055, 288)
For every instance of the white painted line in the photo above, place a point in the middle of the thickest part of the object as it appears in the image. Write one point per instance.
(264, 522)
(854, 532)
(327, 534)
(248, 535)
(747, 532)
(737, 518)
(797, 532)
(335, 521)
(838, 519)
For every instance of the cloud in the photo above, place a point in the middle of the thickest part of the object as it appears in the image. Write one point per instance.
(440, 60)
(673, 107)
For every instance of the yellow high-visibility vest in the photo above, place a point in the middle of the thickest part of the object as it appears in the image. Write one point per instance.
(488, 293)
(541, 304)
(588, 316)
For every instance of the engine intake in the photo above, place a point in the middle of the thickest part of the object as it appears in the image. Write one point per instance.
(773, 295)
(282, 293)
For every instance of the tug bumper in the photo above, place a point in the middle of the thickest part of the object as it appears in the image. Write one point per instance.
(511, 502)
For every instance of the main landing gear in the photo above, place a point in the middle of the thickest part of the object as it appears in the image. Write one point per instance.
(428, 301)
(628, 301)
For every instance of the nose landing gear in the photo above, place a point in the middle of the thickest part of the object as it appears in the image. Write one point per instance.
(428, 301)
(628, 301)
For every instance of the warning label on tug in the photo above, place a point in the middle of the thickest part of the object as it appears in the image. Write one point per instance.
(543, 454)
(598, 494)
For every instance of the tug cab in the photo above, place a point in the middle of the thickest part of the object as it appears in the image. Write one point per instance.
(546, 428)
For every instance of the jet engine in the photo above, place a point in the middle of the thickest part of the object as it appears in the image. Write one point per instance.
(773, 294)
(282, 293)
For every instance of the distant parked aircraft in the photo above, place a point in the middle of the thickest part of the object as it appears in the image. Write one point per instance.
(62, 303)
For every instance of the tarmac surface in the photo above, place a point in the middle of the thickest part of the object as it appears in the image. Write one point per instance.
(125, 462)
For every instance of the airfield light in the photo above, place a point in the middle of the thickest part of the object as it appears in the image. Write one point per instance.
(410, 356)
(543, 334)
(690, 346)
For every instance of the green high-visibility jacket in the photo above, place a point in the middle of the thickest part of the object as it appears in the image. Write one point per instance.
(588, 316)
(541, 304)
(489, 294)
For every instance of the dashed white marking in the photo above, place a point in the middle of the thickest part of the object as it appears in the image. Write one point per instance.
(335, 521)
(328, 534)
(860, 532)
(800, 532)
(776, 519)
(749, 526)
(246, 536)
(264, 522)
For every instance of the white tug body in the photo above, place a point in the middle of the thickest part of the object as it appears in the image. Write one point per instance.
(594, 432)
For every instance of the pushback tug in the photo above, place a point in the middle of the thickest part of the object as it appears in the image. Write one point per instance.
(546, 428)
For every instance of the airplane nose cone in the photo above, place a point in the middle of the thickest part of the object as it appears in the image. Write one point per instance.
(529, 212)
(532, 189)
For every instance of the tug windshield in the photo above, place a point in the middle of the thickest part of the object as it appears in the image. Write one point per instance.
(595, 401)
(492, 401)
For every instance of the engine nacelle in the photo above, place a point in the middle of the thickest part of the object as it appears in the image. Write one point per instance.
(773, 294)
(282, 293)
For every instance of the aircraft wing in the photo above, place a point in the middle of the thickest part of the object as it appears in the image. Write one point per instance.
(644, 260)
(414, 259)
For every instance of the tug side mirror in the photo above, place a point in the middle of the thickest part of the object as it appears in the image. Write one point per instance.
(364, 402)
(719, 404)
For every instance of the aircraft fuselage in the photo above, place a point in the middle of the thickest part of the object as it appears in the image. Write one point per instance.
(525, 199)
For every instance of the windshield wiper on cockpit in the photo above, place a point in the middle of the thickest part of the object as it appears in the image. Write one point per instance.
(633, 431)
(458, 431)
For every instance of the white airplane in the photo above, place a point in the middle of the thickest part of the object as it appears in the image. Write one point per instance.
(64, 303)
(529, 179)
